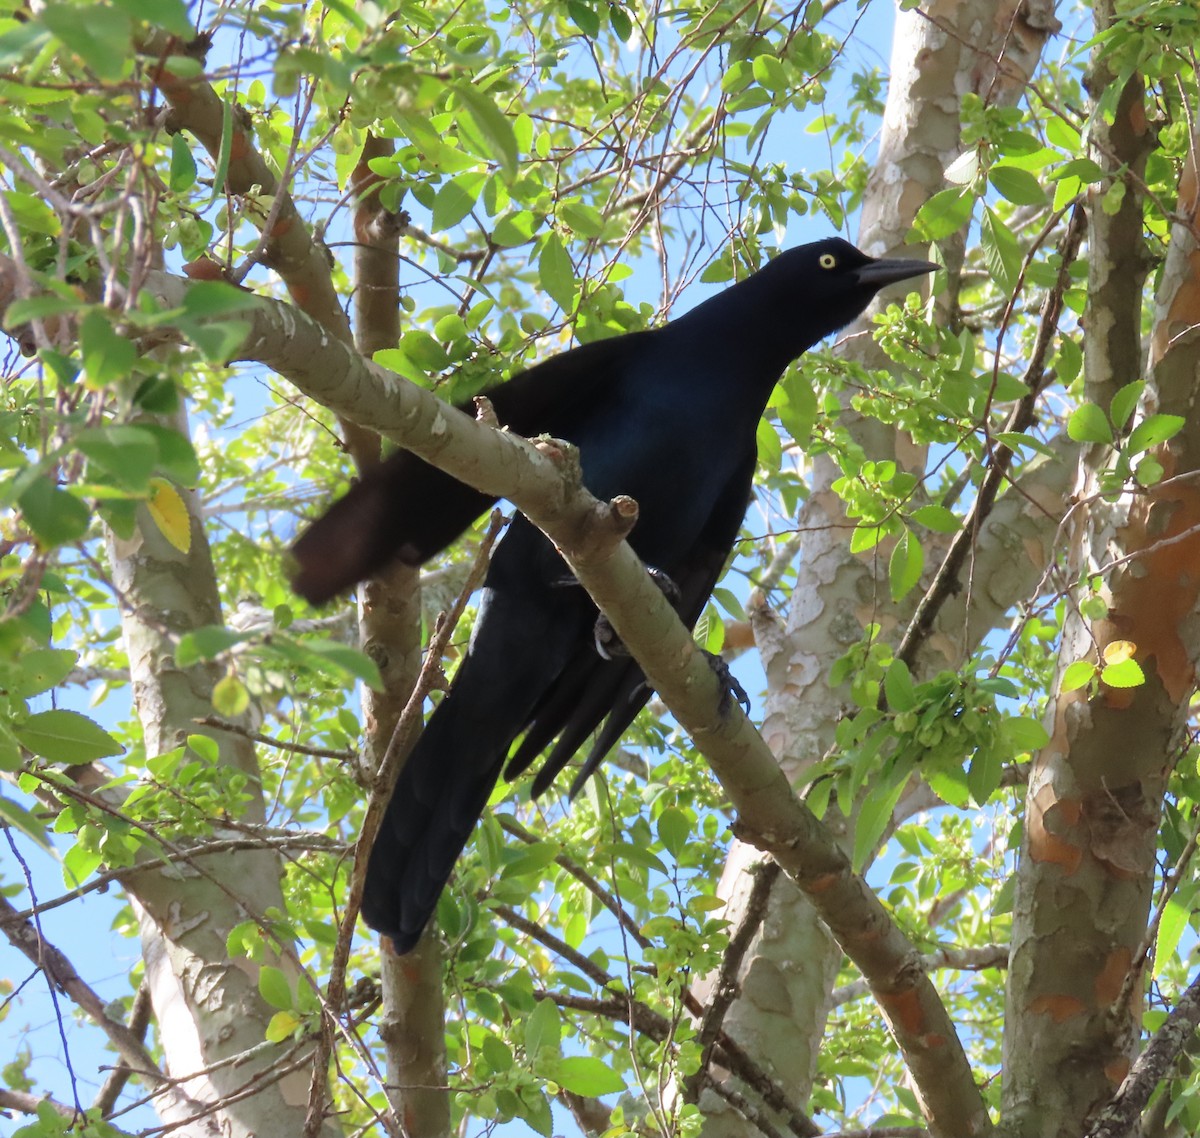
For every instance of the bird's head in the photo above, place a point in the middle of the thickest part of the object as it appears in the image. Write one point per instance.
(828, 284)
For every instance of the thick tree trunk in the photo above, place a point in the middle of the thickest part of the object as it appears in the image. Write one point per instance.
(790, 970)
(1088, 868)
(207, 1006)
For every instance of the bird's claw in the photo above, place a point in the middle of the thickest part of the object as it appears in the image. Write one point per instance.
(730, 688)
(608, 643)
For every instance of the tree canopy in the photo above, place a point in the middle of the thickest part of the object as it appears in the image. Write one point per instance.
(942, 881)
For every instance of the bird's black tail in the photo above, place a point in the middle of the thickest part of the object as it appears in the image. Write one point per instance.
(528, 628)
(439, 797)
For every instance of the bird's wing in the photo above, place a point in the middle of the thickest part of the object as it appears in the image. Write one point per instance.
(406, 510)
(591, 688)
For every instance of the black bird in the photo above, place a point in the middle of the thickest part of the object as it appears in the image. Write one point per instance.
(667, 416)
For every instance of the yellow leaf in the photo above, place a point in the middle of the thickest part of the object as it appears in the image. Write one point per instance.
(230, 696)
(281, 1026)
(170, 514)
(1119, 651)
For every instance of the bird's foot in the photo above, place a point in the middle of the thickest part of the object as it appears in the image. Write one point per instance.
(730, 688)
(608, 643)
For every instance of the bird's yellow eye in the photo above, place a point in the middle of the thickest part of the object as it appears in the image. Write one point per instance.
(827, 260)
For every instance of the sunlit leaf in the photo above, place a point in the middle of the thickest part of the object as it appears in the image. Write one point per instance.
(66, 737)
(170, 514)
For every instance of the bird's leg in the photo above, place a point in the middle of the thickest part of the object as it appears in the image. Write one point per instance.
(730, 688)
(608, 643)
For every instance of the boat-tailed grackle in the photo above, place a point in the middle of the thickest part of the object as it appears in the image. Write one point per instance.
(667, 416)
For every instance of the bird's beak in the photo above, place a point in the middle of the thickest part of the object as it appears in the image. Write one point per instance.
(876, 274)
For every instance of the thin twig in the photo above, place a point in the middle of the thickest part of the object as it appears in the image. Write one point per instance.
(268, 741)
(726, 988)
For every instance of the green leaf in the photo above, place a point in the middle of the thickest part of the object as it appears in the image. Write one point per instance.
(1008, 389)
(905, 565)
(1174, 922)
(949, 785)
(543, 1030)
(1000, 250)
(936, 518)
(534, 1106)
(984, 771)
(1018, 440)
(635, 854)
(206, 747)
(456, 199)
(230, 697)
(514, 228)
(874, 817)
(1019, 186)
(621, 23)
(728, 600)
(10, 750)
(206, 644)
(66, 737)
(41, 670)
(20, 819)
(54, 516)
(1088, 424)
(866, 537)
(1024, 734)
(1125, 674)
(770, 73)
(770, 447)
(37, 307)
(1153, 431)
(586, 18)
(674, 830)
(183, 166)
(176, 456)
(1068, 361)
(274, 988)
(944, 213)
(1062, 134)
(357, 664)
(1081, 169)
(210, 299)
(424, 351)
(584, 1075)
(107, 356)
(496, 1053)
(79, 864)
(999, 685)
(583, 219)
(556, 273)
(898, 687)
(1124, 402)
(494, 126)
(129, 454)
(171, 15)
(531, 860)
(1077, 675)
(98, 34)
(282, 1026)
(1149, 471)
